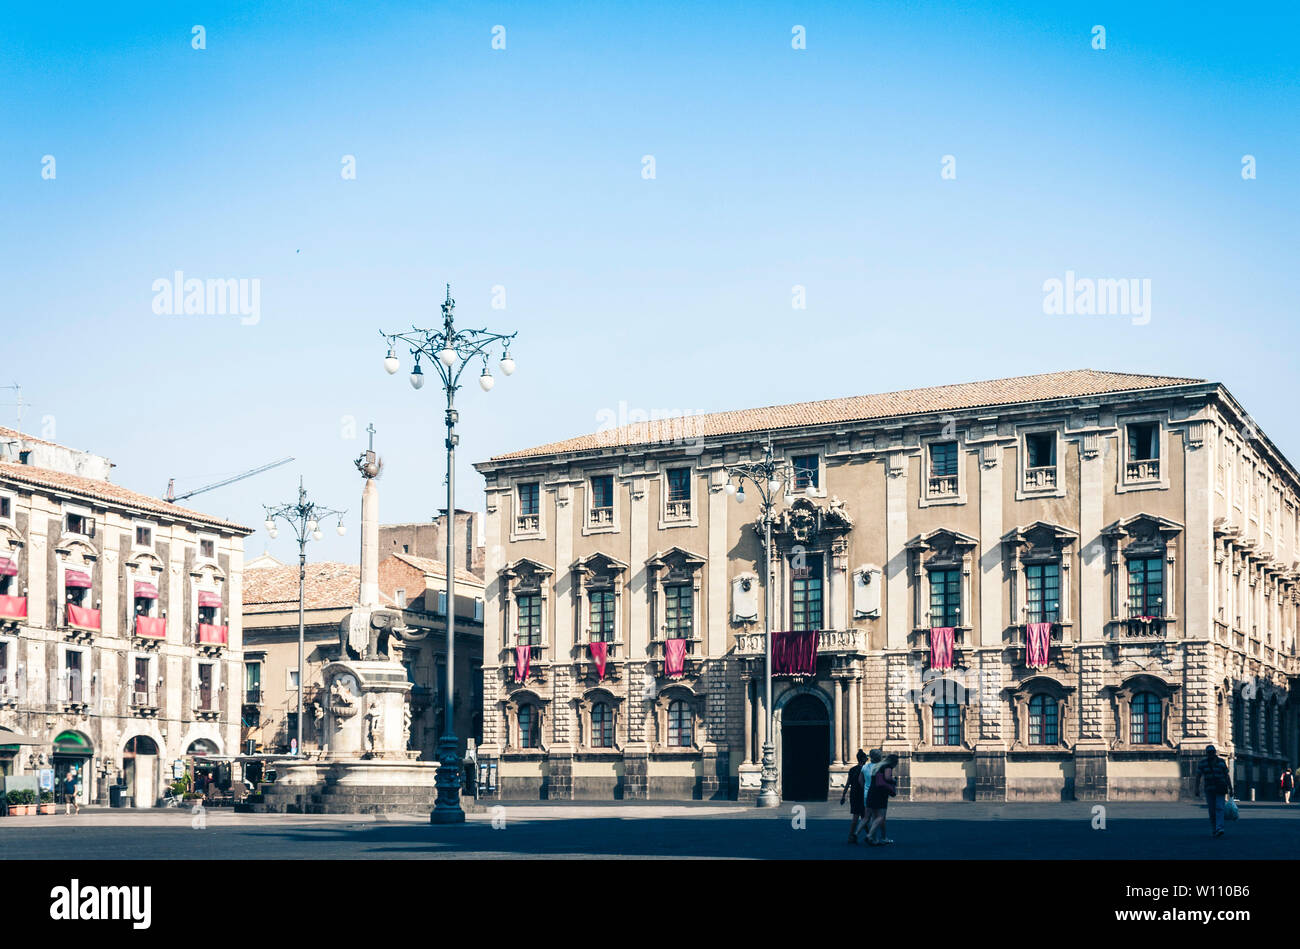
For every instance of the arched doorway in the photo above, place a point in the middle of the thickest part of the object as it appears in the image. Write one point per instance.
(72, 752)
(206, 774)
(140, 770)
(805, 749)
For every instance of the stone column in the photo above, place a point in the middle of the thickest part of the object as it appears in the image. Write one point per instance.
(369, 595)
(896, 565)
(748, 684)
(838, 757)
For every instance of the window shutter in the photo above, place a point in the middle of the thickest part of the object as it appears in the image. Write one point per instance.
(442, 602)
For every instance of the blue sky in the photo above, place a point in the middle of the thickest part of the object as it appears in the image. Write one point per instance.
(522, 168)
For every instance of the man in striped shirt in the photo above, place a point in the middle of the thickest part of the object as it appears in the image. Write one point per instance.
(1213, 779)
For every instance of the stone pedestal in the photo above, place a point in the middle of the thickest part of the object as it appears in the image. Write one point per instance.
(366, 710)
(636, 775)
(749, 779)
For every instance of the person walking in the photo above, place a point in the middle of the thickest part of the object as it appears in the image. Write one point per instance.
(884, 785)
(1287, 784)
(70, 805)
(855, 789)
(1213, 780)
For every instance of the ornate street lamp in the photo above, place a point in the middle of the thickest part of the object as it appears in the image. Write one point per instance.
(304, 517)
(449, 351)
(770, 479)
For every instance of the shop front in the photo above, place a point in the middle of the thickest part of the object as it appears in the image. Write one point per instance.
(74, 753)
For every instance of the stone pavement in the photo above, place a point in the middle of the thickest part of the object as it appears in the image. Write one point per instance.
(1177, 831)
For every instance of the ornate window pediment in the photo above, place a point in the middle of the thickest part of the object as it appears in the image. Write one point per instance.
(676, 565)
(1145, 533)
(1051, 702)
(1135, 702)
(525, 573)
(1041, 540)
(807, 524)
(943, 546)
(599, 571)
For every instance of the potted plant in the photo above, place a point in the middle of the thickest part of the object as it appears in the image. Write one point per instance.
(20, 803)
(47, 802)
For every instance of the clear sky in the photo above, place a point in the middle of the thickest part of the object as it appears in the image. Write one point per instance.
(523, 168)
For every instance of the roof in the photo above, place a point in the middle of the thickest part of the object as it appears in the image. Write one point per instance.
(11, 434)
(438, 568)
(95, 489)
(327, 585)
(967, 395)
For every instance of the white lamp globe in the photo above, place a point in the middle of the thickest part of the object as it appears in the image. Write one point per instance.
(729, 488)
(507, 363)
(273, 533)
(342, 528)
(740, 496)
(312, 525)
(485, 381)
(270, 524)
(774, 486)
(391, 363)
(317, 535)
(447, 356)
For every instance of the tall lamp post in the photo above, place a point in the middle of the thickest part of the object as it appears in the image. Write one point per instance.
(770, 480)
(304, 518)
(450, 351)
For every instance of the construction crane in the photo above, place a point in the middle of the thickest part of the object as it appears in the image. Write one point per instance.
(173, 497)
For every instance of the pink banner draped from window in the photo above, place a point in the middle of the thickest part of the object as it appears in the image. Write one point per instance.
(794, 654)
(674, 657)
(599, 652)
(941, 647)
(1038, 643)
(523, 655)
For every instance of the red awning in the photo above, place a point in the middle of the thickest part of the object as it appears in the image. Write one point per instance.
(76, 578)
(209, 599)
(145, 590)
(8, 568)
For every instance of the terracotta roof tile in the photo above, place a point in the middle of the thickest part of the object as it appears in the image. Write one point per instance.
(108, 493)
(438, 568)
(327, 585)
(1019, 389)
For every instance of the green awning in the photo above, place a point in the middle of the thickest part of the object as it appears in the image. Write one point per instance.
(72, 743)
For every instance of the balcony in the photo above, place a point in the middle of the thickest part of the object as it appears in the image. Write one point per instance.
(8, 689)
(144, 702)
(211, 638)
(691, 662)
(1038, 479)
(1019, 642)
(920, 645)
(677, 510)
(528, 523)
(600, 517)
(1147, 469)
(1141, 628)
(252, 696)
(828, 641)
(81, 619)
(151, 629)
(13, 609)
(943, 486)
(205, 707)
(586, 666)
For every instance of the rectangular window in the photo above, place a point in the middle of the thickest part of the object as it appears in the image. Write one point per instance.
(205, 686)
(79, 524)
(1146, 586)
(806, 594)
(6, 508)
(143, 536)
(945, 597)
(399, 597)
(947, 725)
(1143, 451)
(208, 549)
(253, 683)
(1040, 449)
(530, 619)
(679, 603)
(807, 472)
(72, 672)
(1043, 593)
(943, 469)
(602, 615)
(5, 684)
(602, 492)
(679, 484)
(291, 680)
(142, 684)
(529, 495)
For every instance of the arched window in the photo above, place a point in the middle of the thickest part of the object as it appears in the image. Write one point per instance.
(947, 724)
(530, 727)
(1145, 726)
(602, 725)
(680, 724)
(1043, 728)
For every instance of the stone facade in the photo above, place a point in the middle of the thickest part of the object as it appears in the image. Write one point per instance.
(120, 636)
(1144, 519)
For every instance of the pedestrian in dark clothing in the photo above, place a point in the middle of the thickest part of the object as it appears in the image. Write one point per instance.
(1213, 780)
(855, 790)
(70, 793)
(884, 785)
(1287, 784)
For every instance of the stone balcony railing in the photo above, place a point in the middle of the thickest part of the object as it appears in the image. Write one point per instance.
(600, 516)
(1141, 628)
(527, 523)
(1145, 470)
(1041, 477)
(828, 641)
(677, 510)
(943, 486)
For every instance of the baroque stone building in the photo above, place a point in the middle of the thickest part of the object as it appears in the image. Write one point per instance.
(1047, 587)
(120, 638)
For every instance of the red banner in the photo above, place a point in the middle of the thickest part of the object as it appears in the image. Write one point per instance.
(523, 655)
(941, 647)
(674, 658)
(599, 652)
(215, 635)
(82, 617)
(13, 607)
(1039, 640)
(794, 654)
(151, 627)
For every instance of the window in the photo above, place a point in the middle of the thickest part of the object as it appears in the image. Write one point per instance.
(1145, 586)
(678, 611)
(806, 594)
(530, 619)
(143, 536)
(678, 503)
(602, 725)
(602, 615)
(1042, 593)
(602, 491)
(399, 597)
(208, 615)
(1042, 720)
(142, 684)
(529, 518)
(807, 472)
(253, 683)
(204, 687)
(291, 680)
(6, 687)
(1040, 460)
(943, 468)
(6, 508)
(1144, 720)
(945, 598)
(1143, 451)
(947, 724)
(530, 727)
(79, 524)
(207, 548)
(72, 674)
(680, 724)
